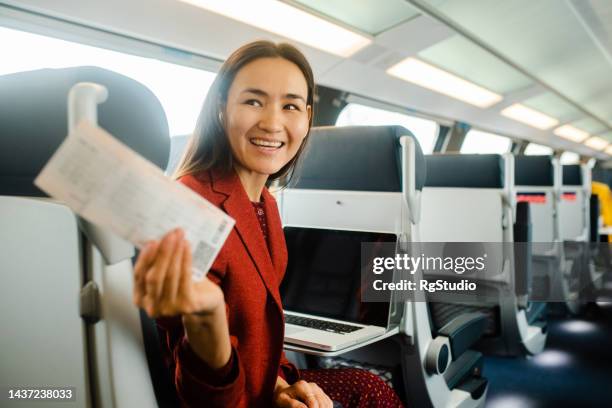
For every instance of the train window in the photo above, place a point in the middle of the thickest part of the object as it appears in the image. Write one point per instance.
(534, 149)
(180, 89)
(423, 129)
(477, 141)
(570, 158)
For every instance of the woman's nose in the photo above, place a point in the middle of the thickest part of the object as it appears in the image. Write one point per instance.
(271, 120)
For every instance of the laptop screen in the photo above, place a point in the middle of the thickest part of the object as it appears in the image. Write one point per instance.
(323, 275)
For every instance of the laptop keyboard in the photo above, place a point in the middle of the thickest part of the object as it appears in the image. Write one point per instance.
(321, 324)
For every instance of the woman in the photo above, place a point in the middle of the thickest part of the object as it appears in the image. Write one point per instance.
(223, 336)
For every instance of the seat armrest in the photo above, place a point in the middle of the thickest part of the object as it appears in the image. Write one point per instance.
(463, 331)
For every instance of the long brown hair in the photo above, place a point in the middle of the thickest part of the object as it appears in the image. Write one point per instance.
(208, 147)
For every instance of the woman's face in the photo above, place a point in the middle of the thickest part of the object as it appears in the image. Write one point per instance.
(266, 116)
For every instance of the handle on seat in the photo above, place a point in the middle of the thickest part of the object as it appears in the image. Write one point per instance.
(409, 178)
(83, 101)
(509, 187)
(453, 339)
(463, 331)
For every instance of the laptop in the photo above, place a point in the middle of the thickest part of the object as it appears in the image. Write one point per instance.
(321, 290)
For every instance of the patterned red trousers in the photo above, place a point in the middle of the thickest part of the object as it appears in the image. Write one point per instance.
(353, 388)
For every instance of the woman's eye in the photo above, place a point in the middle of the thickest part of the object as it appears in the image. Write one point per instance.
(253, 102)
(292, 107)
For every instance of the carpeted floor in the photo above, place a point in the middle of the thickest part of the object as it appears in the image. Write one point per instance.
(574, 370)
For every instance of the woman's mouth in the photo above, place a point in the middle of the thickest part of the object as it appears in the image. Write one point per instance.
(267, 144)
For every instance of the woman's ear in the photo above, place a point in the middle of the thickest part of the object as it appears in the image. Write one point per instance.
(309, 110)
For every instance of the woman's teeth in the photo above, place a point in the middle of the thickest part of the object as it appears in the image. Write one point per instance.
(266, 143)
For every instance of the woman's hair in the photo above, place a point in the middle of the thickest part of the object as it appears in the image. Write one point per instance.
(208, 147)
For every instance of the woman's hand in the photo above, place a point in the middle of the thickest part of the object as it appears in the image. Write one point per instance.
(163, 284)
(302, 394)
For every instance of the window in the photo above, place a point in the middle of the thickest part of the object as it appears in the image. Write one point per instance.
(180, 89)
(570, 158)
(477, 141)
(534, 149)
(360, 115)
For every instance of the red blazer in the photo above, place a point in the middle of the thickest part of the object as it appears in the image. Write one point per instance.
(249, 275)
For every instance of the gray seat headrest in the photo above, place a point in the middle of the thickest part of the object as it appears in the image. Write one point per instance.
(33, 120)
(356, 158)
(533, 171)
(465, 170)
(572, 175)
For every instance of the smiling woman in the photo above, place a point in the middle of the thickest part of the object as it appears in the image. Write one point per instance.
(234, 90)
(266, 126)
(223, 336)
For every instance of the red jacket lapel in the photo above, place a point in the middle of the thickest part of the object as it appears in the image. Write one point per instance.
(239, 207)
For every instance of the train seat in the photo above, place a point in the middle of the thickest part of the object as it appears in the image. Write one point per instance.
(576, 224)
(538, 181)
(63, 276)
(470, 199)
(338, 185)
(574, 203)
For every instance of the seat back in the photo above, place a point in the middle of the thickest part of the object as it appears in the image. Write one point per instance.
(371, 179)
(471, 198)
(365, 178)
(107, 353)
(574, 203)
(40, 257)
(467, 199)
(537, 180)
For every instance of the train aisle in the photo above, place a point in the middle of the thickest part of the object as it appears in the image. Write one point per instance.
(572, 371)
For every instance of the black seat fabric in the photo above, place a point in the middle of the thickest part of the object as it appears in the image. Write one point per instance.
(533, 171)
(34, 118)
(162, 379)
(572, 175)
(465, 170)
(602, 175)
(356, 158)
(523, 232)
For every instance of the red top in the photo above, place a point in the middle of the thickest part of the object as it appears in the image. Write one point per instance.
(249, 273)
(260, 212)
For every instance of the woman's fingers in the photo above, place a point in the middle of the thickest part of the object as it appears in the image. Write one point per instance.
(173, 278)
(156, 275)
(154, 279)
(143, 263)
(323, 399)
(306, 393)
(185, 280)
(285, 401)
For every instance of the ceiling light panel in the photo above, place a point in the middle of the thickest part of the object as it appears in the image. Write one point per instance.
(438, 80)
(529, 116)
(596, 143)
(290, 22)
(572, 133)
